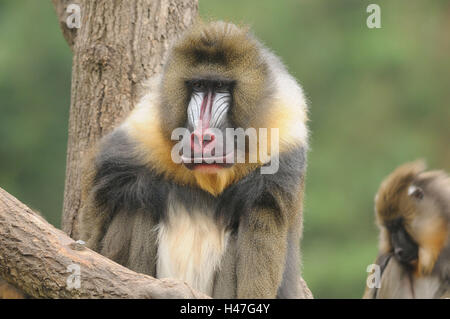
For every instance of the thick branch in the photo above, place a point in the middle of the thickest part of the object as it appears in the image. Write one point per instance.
(34, 256)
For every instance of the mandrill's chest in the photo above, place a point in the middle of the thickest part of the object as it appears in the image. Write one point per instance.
(191, 244)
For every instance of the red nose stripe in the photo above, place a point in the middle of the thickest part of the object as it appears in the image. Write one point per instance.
(206, 110)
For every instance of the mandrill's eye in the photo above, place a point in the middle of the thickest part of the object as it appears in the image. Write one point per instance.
(198, 85)
(221, 86)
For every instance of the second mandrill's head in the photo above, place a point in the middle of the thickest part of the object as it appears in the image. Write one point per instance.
(411, 213)
(215, 78)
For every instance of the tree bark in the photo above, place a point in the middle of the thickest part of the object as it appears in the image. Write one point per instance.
(120, 43)
(34, 256)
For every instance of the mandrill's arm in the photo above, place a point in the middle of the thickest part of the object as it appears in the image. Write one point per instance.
(268, 263)
(120, 198)
(262, 245)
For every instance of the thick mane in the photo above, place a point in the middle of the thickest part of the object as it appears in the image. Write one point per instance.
(437, 185)
(219, 42)
(264, 95)
(395, 186)
(219, 50)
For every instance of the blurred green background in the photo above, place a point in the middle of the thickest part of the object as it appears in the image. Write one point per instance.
(378, 98)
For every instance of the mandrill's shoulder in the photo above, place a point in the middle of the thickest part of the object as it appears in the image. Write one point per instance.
(121, 180)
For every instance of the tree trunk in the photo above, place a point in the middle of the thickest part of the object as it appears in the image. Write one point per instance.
(120, 43)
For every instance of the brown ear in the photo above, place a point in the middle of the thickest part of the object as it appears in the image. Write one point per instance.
(415, 191)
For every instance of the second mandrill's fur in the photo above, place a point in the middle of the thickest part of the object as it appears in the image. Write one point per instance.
(227, 230)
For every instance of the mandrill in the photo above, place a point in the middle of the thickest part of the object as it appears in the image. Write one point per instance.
(203, 209)
(413, 214)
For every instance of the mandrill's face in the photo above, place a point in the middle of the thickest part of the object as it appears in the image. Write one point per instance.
(207, 120)
(215, 86)
(404, 248)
